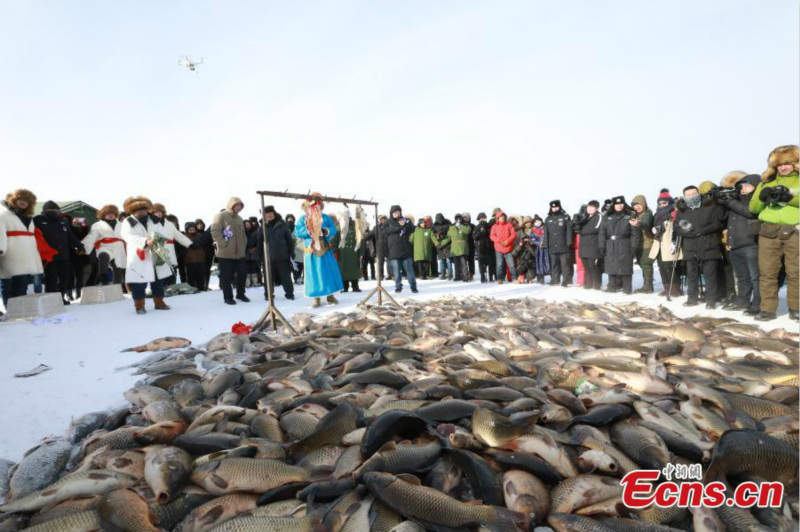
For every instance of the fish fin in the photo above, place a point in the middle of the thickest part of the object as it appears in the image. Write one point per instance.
(506, 521)
(212, 515)
(411, 479)
(388, 446)
(320, 473)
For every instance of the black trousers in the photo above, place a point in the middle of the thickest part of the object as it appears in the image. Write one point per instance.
(381, 271)
(281, 272)
(665, 268)
(104, 262)
(471, 262)
(486, 266)
(298, 273)
(209, 261)
(182, 273)
(57, 275)
(196, 274)
(620, 282)
(14, 287)
(227, 269)
(592, 277)
(460, 268)
(709, 270)
(423, 268)
(561, 266)
(368, 267)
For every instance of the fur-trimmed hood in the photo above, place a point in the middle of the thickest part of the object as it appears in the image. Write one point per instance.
(107, 209)
(159, 207)
(232, 203)
(730, 179)
(25, 195)
(137, 203)
(789, 154)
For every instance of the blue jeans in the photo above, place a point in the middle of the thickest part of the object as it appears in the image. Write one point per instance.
(138, 289)
(408, 267)
(38, 283)
(14, 287)
(745, 267)
(445, 268)
(501, 269)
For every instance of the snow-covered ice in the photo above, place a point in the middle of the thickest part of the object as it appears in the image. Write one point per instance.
(85, 350)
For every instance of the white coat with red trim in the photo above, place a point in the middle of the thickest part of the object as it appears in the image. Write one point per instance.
(101, 230)
(139, 265)
(171, 233)
(18, 254)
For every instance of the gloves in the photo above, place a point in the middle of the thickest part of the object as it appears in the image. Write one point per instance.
(783, 194)
(654, 231)
(686, 225)
(673, 249)
(194, 245)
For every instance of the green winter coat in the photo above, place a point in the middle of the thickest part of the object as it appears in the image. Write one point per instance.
(780, 214)
(422, 238)
(645, 222)
(458, 238)
(349, 256)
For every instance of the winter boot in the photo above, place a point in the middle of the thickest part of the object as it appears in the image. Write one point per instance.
(159, 303)
(355, 287)
(346, 286)
(794, 314)
(766, 316)
(139, 305)
(316, 303)
(332, 300)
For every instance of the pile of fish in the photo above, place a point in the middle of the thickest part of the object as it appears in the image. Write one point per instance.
(451, 415)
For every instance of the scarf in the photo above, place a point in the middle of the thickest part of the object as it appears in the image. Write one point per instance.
(694, 202)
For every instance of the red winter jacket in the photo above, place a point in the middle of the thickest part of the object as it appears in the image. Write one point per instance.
(503, 236)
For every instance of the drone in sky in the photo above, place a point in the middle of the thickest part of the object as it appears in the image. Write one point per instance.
(188, 64)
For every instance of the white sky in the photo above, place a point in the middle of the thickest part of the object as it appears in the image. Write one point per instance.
(445, 105)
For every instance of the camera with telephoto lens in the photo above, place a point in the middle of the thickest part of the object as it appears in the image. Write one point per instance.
(724, 194)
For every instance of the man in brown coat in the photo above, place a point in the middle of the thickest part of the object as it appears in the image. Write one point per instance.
(230, 240)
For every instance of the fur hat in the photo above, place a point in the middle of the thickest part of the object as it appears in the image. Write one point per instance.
(158, 207)
(730, 179)
(618, 200)
(24, 195)
(137, 203)
(789, 154)
(481, 216)
(107, 209)
(555, 203)
(706, 186)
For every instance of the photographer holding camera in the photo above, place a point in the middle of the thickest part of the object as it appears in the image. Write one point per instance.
(775, 201)
(699, 222)
(742, 238)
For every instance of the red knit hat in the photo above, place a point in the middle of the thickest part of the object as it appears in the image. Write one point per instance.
(664, 195)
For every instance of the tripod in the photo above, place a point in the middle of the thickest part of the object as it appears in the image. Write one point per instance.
(675, 266)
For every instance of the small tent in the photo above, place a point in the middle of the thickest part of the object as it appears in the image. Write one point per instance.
(76, 209)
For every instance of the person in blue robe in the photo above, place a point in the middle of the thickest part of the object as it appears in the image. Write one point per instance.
(322, 277)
